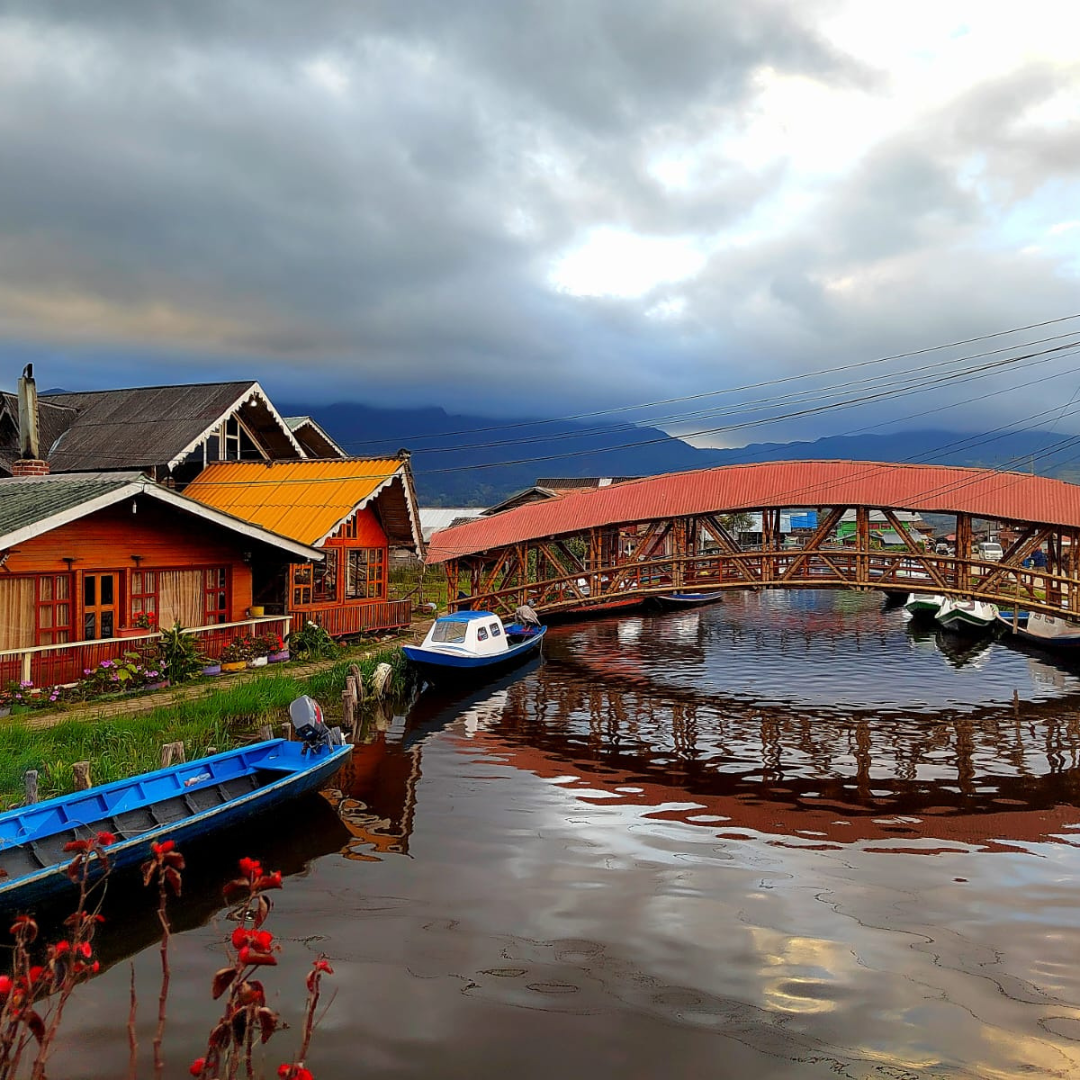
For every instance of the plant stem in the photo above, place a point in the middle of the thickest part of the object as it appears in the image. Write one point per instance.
(163, 997)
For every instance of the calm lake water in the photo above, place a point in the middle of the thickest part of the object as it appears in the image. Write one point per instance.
(788, 835)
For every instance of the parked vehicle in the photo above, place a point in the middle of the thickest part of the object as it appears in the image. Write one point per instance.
(990, 550)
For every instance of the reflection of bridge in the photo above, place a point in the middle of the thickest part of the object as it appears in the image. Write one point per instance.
(651, 536)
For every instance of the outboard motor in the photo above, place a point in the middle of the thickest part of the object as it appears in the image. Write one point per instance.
(307, 722)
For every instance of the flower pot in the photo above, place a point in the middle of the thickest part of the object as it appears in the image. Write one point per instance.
(131, 631)
(233, 665)
(212, 669)
(257, 661)
(278, 657)
(162, 685)
(256, 611)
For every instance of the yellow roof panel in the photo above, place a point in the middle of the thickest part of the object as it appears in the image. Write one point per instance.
(304, 500)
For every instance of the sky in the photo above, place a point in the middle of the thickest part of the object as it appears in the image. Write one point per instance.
(536, 208)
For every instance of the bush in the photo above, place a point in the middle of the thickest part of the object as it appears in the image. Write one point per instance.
(180, 655)
(312, 641)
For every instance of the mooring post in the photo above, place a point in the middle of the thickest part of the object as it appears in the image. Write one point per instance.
(266, 732)
(30, 785)
(348, 710)
(172, 753)
(287, 731)
(81, 771)
(354, 671)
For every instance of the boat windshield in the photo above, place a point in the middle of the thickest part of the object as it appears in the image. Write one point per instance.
(451, 630)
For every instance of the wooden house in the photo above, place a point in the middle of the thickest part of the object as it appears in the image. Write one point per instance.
(83, 554)
(353, 510)
(169, 432)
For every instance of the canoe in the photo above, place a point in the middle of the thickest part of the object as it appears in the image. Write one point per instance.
(968, 616)
(1042, 629)
(467, 645)
(177, 803)
(926, 604)
(680, 601)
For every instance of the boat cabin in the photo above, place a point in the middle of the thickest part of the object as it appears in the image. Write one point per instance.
(475, 633)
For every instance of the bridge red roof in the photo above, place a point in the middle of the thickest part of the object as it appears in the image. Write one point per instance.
(775, 485)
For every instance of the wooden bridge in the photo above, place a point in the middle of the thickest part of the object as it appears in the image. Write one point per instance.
(599, 548)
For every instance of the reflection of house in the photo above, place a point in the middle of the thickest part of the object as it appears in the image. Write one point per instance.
(353, 510)
(169, 432)
(83, 553)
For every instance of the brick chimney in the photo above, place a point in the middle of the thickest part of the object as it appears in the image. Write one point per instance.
(29, 463)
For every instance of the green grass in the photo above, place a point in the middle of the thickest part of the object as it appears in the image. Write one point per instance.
(123, 746)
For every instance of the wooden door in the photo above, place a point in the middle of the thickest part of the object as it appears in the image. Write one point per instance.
(101, 604)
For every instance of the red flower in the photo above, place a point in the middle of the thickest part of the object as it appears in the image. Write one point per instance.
(248, 955)
(61, 948)
(35, 974)
(163, 848)
(83, 949)
(323, 965)
(240, 937)
(197, 1066)
(294, 1072)
(105, 839)
(263, 940)
(269, 881)
(251, 868)
(78, 845)
(5, 985)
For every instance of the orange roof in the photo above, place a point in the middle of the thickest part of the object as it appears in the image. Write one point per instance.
(305, 500)
(782, 484)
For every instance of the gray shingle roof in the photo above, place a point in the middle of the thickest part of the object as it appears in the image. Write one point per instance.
(53, 420)
(136, 428)
(26, 500)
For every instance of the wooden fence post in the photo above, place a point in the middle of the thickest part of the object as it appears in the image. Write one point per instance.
(266, 732)
(354, 671)
(30, 784)
(81, 771)
(172, 753)
(287, 731)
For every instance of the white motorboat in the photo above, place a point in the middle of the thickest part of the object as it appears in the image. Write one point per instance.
(968, 616)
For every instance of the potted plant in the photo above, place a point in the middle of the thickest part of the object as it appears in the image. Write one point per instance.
(279, 651)
(211, 666)
(143, 623)
(259, 651)
(234, 656)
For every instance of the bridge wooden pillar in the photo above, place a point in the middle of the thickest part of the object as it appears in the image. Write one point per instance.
(963, 552)
(862, 545)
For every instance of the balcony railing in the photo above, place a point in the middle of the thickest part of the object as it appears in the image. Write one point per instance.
(52, 665)
(341, 621)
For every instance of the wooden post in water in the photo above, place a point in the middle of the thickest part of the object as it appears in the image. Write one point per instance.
(81, 771)
(348, 711)
(30, 786)
(354, 671)
(266, 732)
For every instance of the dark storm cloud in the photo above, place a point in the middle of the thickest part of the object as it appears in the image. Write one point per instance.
(367, 200)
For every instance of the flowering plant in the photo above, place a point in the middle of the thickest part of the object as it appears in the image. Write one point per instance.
(144, 620)
(237, 649)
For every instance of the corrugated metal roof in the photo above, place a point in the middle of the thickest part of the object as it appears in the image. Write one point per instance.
(53, 421)
(306, 500)
(33, 505)
(784, 485)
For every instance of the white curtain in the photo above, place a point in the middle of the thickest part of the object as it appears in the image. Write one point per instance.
(17, 612)
(181, 598)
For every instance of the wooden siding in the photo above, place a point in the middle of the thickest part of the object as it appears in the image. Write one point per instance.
(357, 618)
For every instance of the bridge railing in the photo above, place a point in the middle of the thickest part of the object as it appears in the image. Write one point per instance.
(839, 567)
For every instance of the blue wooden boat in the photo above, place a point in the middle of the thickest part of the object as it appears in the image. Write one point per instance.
(177, 803)
(680, 601)
(473, 645)
(1040, 629)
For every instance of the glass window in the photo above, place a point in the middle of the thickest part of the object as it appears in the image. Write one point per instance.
(54, 609)
(450, 631)
(144, 594)
(215, 596)
(365, 574)
(481, 634)
(324, 574)
(496, 629)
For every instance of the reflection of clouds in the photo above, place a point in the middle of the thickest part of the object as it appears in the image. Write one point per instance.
(800, 974)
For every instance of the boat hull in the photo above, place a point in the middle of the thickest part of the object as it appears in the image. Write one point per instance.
(440, 667)
(923, 604)
(1062, 639)
(179, 803)
(967, 616)
(682, 601)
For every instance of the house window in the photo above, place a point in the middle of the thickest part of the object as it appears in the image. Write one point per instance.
(301, 585)
(365, 574)
(216, 595)
(324, 585)
(348, 528)
(144, 594)
(230, 440)
(54, 609)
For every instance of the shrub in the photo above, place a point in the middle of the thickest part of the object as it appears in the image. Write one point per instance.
(312, 641)
(180, 655)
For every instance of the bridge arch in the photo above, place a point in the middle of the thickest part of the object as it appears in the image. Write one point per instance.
(645, 537)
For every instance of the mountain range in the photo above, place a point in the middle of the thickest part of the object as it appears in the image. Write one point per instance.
(463, 460)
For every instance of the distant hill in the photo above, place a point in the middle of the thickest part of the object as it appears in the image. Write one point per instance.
(469, 461)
